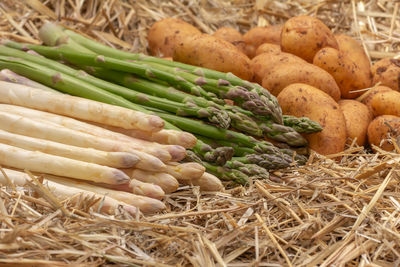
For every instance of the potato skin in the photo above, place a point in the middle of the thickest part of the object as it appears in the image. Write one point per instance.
(304, 36)
(164, 34)
(232, 36)
(282, 75)
(210, 52)
(259, 35)
(386, 103)
(268, 48)
(355, 51)
(387, 72)
(379, 131)
(367, 96)
(305, 100)
(348, 74)
(357, 117)
(262, 64)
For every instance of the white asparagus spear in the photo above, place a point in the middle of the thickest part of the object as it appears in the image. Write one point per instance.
(24, 126)
(77, 107)
(185, 171)
(110, 159)
(136, 187)
(145, 204)
(207, 182)
(41, 162)
(167, 182)
(177, 153)
(7, 75)
(63, 192)
(168, 137)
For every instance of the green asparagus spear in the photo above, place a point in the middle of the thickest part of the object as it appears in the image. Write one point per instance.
(239, 121)
(222, 78)
(212, 113)
(302, 125)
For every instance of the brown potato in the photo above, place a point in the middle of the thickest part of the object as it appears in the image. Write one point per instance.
(387, 72)
(302, 100)
(304, 36)
(355, 51)
(232, 36)
(268, 48)
(368, 95)
(358, 117)
(386, 103)
(210, 52)
(262, 64)
(163, 35)
(282, 75)
(260, 35)
(348, 74)
(382, 129)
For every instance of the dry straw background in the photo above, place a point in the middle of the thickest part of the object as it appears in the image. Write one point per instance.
(326, 213)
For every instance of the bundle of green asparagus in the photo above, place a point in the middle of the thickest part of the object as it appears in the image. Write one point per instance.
(187, 98)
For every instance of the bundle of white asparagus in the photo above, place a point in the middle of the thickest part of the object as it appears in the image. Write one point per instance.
(69, 141)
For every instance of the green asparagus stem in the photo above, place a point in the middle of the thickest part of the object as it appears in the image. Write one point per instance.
(227, 174)
(222, 78)
(252, 170)
(282, 133)
(218, 155)
(267, 161)
(213, 114)
(239, 121)
(302, 125)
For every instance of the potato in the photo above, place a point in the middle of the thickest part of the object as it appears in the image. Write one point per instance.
(304, 36)
(386, 103)
(232, 36)
(387, 72)
(348, 74)
(357, 117)
(210, 52)
(282, 75)
(262, 64)
(268, 48)
(163, 35)
(304, 100)
(380, 134)
(260, 35)
(368, 95)
(355, 51)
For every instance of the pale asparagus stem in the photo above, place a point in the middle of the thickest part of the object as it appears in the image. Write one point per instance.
(137, 187)
(24, 126)
(9, 76)
(185, 171)
(145, 204)
(110, 159)
(207, 182)
(77, 107)
(41, 162)
(168, 137)
(176, 153)
(167, 182)
(63, 192)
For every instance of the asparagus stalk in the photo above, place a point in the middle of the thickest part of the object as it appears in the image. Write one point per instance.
(212, 113)
(282, 133)
(219, 155)
(222, 78)
(252, 170)
(302, 125)
(9, 76)
(267, 161)
(239, 120)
